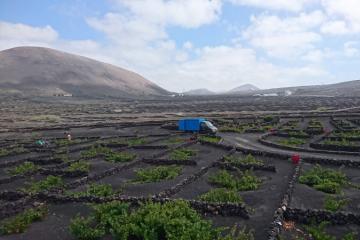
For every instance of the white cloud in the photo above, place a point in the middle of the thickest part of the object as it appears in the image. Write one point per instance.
(137, 39)
(285, 37)
(335, 27)
(288, 5)
(22, 34)
(345, 15)
(350, 49)
(221, 68)
(184, 13)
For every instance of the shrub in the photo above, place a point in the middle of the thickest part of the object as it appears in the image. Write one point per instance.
(268, 118)
(246, 182)
(119, 157)
(317, 231)
(171, 221)
(81, 228)
(350, 236)
(248, 160)
(157, 174)
(95, 151)
(20, 222)
(292, 141)
(44, 185)
(16, 150)
(334, 204)
(24, 168)
(231, 128)
(4, 152)
(221, 195)
(325, 180)
(79, 166)
(237, 234)
(97, 190)
(130, 141)
(210, 139)
(65, 142)
(182, 154)
(136, 141)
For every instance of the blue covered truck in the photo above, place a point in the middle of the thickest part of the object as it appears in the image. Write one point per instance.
(200, 125)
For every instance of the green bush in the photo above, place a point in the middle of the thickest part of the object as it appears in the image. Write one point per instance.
(97, 190)
(94, 151)
(81, 228)
(317, 231)
(239, 234)
(350, 236)
(129, 141)
(44, 185)
(247, 180)
(174, 220)
(323, 179)
(79, 166)
(16, 150)
(182, 154)
(65, 142)
(136, 141)
(231, 128)
(210, 139)
(4, 152)
(292, 142)
(24, 168)
(268, 118)
(221, 195)
(20, 222)
(334, 204)
(248, 160)
(171, 221)
(157, 174)
(119, 157)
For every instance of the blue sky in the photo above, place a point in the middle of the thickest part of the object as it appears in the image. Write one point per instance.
(188, 44)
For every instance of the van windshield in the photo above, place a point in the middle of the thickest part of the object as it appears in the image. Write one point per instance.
(209, 124)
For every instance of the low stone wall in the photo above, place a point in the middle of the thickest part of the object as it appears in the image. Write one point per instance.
(235, 167)
(354, 150)
(276, 225)
(308, 216)
(169, 162)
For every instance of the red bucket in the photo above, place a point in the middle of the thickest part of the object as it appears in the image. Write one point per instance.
(295, 158)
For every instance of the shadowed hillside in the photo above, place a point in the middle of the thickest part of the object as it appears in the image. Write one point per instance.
(46, 72)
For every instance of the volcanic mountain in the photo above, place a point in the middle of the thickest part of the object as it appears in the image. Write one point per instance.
(46, 72)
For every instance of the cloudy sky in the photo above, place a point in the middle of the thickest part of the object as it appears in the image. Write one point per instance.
(188, 44)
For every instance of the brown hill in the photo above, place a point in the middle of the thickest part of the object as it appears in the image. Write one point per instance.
(46, 72)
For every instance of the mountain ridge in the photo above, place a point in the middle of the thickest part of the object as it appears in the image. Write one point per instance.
(44, 71)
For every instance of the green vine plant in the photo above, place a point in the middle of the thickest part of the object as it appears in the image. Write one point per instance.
(248, 160)
(157, 174)
(97, 190)
(324, 179)
(182, 154)
(221, 195)
(174, 220)
(24, 168)
(20, 222)
(246, 181)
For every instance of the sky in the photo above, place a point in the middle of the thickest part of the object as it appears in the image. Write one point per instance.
(190, 44)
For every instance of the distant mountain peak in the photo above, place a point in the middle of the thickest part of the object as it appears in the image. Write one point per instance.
(244, 88)
(199, 91)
